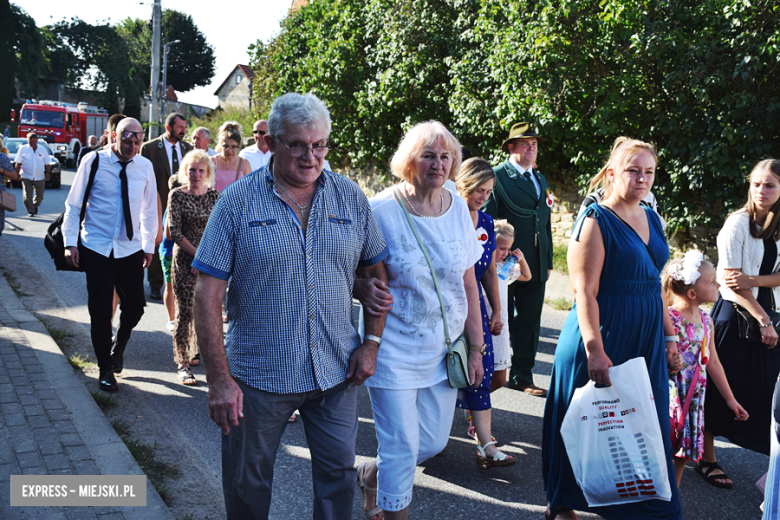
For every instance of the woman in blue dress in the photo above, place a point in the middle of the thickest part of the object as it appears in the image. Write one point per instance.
(475, 181)
(615, 256)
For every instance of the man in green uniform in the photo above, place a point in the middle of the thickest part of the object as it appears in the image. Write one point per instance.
(521, 197)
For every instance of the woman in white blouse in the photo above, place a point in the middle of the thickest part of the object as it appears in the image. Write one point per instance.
(411, 398)
(749, 274)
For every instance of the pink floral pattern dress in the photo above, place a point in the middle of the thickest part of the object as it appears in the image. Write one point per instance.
(690, 337)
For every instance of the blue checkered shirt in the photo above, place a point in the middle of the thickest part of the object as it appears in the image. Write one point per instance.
(290, 297)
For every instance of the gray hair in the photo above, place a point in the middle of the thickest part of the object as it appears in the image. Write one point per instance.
(297, 110)
(204, 130)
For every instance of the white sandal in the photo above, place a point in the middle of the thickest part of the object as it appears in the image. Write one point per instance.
(499, 460)
(374, 513)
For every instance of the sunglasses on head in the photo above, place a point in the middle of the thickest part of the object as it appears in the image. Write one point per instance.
(261, 132)
(129, 136)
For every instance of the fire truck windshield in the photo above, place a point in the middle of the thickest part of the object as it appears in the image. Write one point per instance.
(43, 118)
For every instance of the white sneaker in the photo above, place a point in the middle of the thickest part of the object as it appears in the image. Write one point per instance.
(171, 325)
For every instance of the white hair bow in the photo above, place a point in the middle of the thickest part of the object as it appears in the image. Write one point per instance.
(688, 270)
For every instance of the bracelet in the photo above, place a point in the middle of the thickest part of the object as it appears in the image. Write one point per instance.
(765, 326)
(671, 338)
(375, 339)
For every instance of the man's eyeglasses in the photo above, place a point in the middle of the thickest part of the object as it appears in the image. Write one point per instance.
(299, 150)
(261, 132)
(128, 136)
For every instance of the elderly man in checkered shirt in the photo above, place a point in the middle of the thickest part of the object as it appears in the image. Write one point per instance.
(290, 238)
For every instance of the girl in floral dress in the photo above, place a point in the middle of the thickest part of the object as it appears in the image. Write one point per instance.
(688, 283)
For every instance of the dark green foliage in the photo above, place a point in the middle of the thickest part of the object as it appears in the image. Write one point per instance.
(104, 55)
(190, 62)
(8, 60)
(699, 79)
(26, 49)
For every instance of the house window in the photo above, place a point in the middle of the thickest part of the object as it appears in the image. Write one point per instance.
(238, 79)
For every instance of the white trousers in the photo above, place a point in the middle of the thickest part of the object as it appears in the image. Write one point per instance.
(411, 426)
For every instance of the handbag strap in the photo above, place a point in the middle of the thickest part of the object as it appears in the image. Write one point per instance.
(90, 182)
(447, 339)
(238, 170)
(680, 424)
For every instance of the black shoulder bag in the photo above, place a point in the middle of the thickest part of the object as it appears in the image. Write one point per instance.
(54, 241)
(749, 327)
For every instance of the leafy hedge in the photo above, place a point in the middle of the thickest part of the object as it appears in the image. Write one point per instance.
(699, 79)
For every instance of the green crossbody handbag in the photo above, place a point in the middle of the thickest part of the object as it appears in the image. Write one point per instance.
(457, 352)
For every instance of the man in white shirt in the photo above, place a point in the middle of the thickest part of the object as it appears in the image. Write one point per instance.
(166, 153)
(32, 163)
(258, 154)
(201, 137)
(117, 240)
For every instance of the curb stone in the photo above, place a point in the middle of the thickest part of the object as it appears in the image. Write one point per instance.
(110, 454)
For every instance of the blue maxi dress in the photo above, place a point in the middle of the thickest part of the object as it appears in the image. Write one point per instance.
(631, 315)
(479, 398)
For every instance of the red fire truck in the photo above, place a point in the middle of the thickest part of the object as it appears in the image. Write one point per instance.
(65, 126)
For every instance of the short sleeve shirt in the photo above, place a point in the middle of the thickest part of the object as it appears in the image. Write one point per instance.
(290, 301)
(33, 162)
(413, 346)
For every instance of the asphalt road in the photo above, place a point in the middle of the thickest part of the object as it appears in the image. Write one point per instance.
(158, 409)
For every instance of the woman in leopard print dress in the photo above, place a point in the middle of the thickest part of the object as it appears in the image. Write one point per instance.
(189, 208)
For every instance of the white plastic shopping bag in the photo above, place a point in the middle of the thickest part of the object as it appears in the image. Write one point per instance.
(614, 441)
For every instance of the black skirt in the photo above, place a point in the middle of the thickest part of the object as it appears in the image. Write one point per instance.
(751, 370)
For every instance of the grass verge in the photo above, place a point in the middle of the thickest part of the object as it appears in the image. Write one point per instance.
(561, 303)
(121, 426)
(103, 400)
(560, 263)
(157, 471)
(81, 362)
(15, 286)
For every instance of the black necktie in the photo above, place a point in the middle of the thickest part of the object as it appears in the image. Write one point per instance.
(175, 161)
(527, 175)
(126, 200)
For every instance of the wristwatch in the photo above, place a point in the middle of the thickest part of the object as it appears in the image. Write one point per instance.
(481, 349)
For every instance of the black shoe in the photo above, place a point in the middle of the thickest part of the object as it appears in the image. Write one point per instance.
(107, 381)
(31, 215)
(155, 294)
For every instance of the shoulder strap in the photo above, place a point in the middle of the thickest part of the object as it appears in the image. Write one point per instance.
(238, 170)
(91, 181)
(430, 266)
(694, 382)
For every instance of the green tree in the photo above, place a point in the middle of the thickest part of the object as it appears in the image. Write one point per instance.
(698, 79)
(190, 63)
(27, 50)
(104, 60)
(8, 59)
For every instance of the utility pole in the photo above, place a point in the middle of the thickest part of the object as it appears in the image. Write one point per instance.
(164, 96)
(154, 114)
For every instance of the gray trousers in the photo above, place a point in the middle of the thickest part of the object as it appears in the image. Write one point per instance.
(330, 419)
(33, 194)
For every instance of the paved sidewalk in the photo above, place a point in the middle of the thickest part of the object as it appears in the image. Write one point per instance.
(49, 423)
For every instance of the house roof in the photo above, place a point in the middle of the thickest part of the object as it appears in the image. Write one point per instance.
(246, 71)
